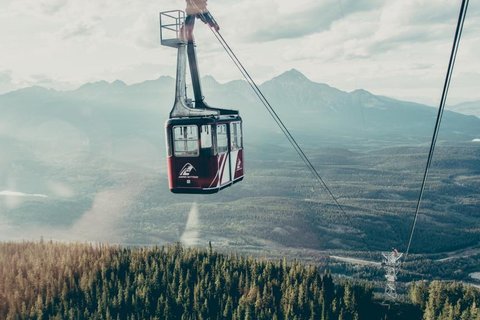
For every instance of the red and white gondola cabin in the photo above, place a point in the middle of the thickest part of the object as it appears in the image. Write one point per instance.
(205, 154)
(204, 144)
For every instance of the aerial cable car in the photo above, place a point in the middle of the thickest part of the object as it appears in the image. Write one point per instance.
(204, 144)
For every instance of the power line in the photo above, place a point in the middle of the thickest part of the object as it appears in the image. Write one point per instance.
(456, 42)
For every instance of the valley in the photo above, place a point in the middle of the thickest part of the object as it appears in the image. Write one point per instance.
(96, 155)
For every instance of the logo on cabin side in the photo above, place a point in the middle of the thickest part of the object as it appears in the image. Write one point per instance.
(188, 171)
(239, 165)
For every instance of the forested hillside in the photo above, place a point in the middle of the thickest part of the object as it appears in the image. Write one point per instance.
(82, 281)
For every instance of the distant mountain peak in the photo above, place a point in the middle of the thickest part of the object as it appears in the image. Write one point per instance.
(33, 90)
(361, 92)
(102, 84)
(94, 84)
(209, 80)
(118, 83)
(164, 78)
(293, 75)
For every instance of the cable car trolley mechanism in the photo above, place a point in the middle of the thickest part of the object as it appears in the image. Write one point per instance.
(204, 144)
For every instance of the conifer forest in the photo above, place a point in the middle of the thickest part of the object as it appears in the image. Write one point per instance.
(48, 280)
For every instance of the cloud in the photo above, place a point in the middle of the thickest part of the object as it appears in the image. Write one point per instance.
(6, 81)
(5, 77)
(369, 32)
(314, 18)
(45, 81)
(388, 24)
(104, 221)
(100, 222)
(52, 6)
(413, 21)
(347, 43)
(144, 31)
(80, 29)
(14, 198)
(21, 194)
(38, 8)
(60, 189)
(10, 82)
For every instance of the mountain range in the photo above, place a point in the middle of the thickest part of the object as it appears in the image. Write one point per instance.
(311, 110)
(91, 162)
(468, 108)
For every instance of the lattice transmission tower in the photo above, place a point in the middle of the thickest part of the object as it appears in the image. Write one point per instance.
(391, 263)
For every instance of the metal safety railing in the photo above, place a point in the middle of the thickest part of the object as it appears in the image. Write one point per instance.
(171, 28)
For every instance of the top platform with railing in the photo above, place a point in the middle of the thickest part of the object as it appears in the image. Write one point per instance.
(171, 28)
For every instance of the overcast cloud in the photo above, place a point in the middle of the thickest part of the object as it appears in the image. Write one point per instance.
(312, 18)
(398, 48)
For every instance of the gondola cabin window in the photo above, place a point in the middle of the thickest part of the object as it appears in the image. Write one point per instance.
(236, 135)
(206, 136)
(222, 141)
(185, 141)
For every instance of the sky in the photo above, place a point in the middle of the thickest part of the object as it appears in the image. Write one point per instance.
(397, 48)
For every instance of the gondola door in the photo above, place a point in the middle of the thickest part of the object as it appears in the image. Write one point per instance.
(236, 151)
(223, 154)
(185, 167)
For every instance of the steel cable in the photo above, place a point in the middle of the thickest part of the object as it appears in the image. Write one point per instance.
(281, 124)
(453, 55)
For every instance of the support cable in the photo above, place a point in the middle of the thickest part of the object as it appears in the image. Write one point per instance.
(272, 112)
(456, 42)
(275, 116)
(280, 124)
